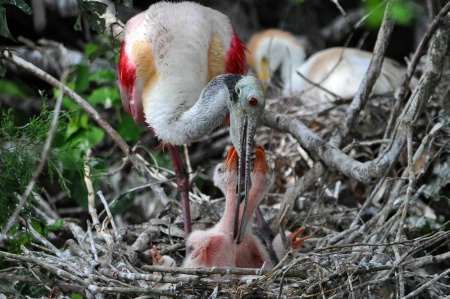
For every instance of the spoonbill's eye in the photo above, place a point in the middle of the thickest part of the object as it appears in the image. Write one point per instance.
(238, 90)
(253, 101)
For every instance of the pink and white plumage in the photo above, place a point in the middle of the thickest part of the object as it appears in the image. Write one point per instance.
(218, 246)
(169, 54)
(181, 71)
(251, 253)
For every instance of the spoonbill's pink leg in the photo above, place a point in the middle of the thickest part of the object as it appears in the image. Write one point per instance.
(183, 187)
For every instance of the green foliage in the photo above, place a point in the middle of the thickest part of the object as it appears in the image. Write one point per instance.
(128, 130)
(11, 88)
(19, 156)
(17, 171)
(20, 238)
(21, 4)
(4, 30)
(403, 12)
(100, 90)
(20, 152)
(92, 12)
(297, 2)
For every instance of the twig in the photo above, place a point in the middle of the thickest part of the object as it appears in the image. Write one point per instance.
(91, 240)
(108, 212)
(427, 284)
(130, 290)
(37, 261)
(43, 240)
(91, 194)
(432, 28)
(363, 93)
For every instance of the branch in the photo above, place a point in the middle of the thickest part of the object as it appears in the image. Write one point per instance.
(136, 160)
(363, 93)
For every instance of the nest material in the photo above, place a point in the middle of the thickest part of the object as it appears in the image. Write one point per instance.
(339, 259)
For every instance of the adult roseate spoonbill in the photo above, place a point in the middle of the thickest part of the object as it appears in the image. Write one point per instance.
(171, 75)
(338, 71)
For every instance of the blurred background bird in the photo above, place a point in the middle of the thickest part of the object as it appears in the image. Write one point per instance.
(171, 68)
(327, 75)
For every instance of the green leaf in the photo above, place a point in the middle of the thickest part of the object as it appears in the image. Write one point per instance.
(375, 12)
(37, 226)
(76, 296)
(89, 49)
(19, 240)
(14, 229)
(56, 225)
(128, 129)
(94, 135)
(20, 4)
(11, 88)
(82, 81)
(103, 76)
(77, 122)
(99, 51)
(296, 2)
(403, 12)
(67, 102)
(86, 136)
(92, 11)
(105, 96)
(4, 31)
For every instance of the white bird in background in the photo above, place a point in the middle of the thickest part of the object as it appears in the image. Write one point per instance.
(274, 49)
(171, 75)
(338, 71)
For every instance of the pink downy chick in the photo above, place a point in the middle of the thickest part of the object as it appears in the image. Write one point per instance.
(163, 261)
(251, 253)
(293, 242)
(216, 247)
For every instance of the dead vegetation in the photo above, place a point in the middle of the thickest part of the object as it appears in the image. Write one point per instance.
(369, 180)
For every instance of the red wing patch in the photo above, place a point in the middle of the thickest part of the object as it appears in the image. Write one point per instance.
(127, 84)
(236, 63)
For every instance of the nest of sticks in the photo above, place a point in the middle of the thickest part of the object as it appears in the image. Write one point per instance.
(370, 185)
